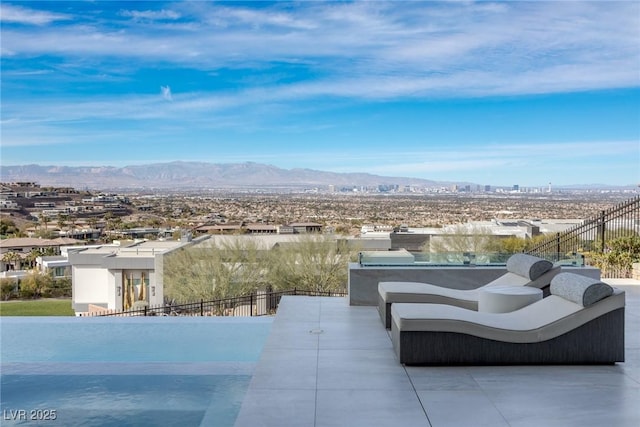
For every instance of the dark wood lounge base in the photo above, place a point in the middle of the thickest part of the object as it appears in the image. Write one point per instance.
(599, 341)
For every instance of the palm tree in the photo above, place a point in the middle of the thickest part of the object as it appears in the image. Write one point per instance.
(11, 258)
(62, 221)
(74, 222)
(33, 256)
(45, 221)
(93, 225)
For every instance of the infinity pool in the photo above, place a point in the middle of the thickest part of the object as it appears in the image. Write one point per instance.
(127, 371)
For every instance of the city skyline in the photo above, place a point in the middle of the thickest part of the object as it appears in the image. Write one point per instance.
(501, 93)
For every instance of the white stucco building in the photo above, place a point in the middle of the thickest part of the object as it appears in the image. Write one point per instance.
(104, 277)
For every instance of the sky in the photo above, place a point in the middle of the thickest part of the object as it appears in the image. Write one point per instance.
(494, 93)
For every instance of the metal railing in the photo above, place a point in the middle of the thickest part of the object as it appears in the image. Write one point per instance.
(591, 236)
(255, 304)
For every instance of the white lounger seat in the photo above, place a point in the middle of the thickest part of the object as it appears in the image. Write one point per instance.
(522, 270)
(558, 329)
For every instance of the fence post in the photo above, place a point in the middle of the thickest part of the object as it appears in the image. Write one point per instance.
(251, 304)
(145, 311)
(601, 227)
(201, 307)
(557, 246)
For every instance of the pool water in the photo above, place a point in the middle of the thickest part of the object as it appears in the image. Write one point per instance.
(122, 400)
(127, 371)
(133, 339)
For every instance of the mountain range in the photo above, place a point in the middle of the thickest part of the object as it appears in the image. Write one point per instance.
(181, 175)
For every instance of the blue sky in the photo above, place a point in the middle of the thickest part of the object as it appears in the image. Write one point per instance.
(494, 93)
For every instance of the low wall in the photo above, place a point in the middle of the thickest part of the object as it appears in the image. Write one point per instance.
(363, 281)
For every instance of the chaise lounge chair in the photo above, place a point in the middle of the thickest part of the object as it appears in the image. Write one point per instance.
(581, 322)
(522, 270)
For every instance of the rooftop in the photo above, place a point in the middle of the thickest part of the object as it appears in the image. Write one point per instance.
(18, 242)
(326, 363)
(139, 249)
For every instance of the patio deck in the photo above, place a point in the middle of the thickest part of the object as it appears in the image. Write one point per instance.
(326, 363)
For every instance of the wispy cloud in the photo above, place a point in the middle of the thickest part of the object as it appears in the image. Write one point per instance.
(22, 15)
(151, 14)
(421, 49)
(166, 93)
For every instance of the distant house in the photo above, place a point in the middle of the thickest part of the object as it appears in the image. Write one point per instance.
(261, 229)
(285, 229)
(306, 227)
(218, 229)
(58, 266)
(413, 242)
(22, 247)
(376, 228)
(143, 232)
(8, 205)
(258, 228)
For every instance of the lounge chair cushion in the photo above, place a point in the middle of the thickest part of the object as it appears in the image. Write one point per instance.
(543, 320)
(528, 266)
(579, 289)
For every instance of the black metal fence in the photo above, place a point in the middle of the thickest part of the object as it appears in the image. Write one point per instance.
(622, 220)
(255, 304)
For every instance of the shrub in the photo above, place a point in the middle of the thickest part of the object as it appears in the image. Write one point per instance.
(36, 285)
(9, 288)
(619, 256)
(57, 288)
(30, 287)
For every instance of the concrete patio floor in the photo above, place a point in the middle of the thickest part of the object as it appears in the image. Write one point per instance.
(326, 363)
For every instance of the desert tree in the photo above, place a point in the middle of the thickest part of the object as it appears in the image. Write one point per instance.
(461, 239)
(8, 228)
(215, 272)
(239, 266)
(312, 262)
(62, 221)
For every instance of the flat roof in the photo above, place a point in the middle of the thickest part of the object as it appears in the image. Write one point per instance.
(141, 249)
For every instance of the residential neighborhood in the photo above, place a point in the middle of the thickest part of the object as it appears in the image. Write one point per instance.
(110, 248)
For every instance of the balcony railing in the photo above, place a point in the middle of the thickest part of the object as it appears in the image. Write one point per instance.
(591, 236)
(255, 304)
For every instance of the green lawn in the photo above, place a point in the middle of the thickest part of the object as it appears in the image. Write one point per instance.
(43, 307)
